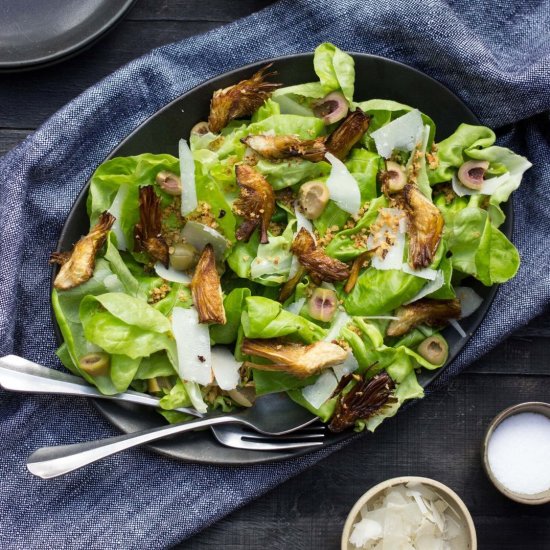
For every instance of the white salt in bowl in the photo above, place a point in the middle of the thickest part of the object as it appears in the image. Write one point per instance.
(536, 407)
(443, 491)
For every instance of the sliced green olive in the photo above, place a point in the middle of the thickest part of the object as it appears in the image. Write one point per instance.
(331, 108)
(95, 364)
(434, 349)
(183, 257)
(169, 182)
(472, 172)
(322, 304)
(200, 128)
(394, 177)
(313, 198)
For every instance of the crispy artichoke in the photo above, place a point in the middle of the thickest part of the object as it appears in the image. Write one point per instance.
(362, 401)
(206, 289)
(78, 265)
(148, 232)
(255, 204)
(284, 147)
(300, 360)
(340, 142)
(316, 261)
(434, 313)
(425, 226)
(240, 100)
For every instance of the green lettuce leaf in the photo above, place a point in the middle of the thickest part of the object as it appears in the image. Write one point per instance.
(480, 249)
(66, 306)
(454, 151)
(265, 318)
(121, 324)
(377, 292)
(342, 245)
(233, 304)
(304, 127)
(335, 69)
(290, 172)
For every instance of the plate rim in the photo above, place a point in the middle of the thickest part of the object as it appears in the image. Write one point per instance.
(43, 61)
(429, 377)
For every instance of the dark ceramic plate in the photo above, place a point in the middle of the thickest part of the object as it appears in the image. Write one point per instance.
(376, 78)
(34, 34)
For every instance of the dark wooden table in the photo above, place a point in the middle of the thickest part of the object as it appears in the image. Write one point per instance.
(439, 438)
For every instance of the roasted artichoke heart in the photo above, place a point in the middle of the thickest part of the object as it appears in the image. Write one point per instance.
(425, 226)
(340, 142)
(434, 313)
(241, 99)
(78, 265)
(300, 360)
(316, 261)
(206, 289)
(148, 232)
(255, 204)
(284, 147)
(363, 400)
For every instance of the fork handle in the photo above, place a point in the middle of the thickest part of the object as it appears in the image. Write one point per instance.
(21, 375)
(50, 462)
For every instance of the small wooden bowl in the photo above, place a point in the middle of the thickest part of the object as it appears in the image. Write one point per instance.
(533, 407)
(448, 494)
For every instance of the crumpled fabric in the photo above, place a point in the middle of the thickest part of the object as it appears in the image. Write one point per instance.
(494, 54)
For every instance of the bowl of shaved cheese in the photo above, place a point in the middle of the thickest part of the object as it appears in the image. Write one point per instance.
(409, 513)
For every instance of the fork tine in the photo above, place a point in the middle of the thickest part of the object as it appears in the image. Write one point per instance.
(298, 436)
(236, 437)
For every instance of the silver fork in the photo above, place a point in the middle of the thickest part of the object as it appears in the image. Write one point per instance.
(239, 437)
(21, 375)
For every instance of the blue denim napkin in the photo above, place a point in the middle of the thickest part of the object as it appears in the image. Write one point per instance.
(494, 54)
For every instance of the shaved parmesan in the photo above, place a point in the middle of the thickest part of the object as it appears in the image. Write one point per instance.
(302, 221)
(294, 266)
(394, 257)
(296, 307)
(189, 200)
(321, 390)
(226, 368)
(455, 324)
(347, 367)
(432, 286)
(199, 235)
(424, 273)
(408, 517)
(343, 189)
(193, 345)
(469, 300)
(115, 209)
(340, 321)
(171, 274)
(403, 134)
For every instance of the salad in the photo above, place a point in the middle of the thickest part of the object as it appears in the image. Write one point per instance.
(304, 241)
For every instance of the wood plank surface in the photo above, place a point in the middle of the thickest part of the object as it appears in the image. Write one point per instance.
(439, 437)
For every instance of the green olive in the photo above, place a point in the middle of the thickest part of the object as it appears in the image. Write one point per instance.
(200, 128)
(169, 182)
(322, 304)
(313, 198)
(394, 176)
(95, 364)
(183, 257)
(434, 349)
